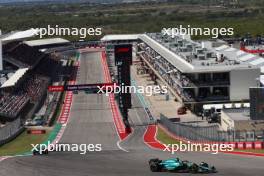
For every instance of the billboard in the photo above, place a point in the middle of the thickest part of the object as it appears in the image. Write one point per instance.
(257, 103)
(123, 60)
(123, 54)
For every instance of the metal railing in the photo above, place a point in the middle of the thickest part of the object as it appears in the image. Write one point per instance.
(210, 132)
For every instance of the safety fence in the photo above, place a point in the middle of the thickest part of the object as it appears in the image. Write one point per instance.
(190, 132)
(10, 131)
(195, 132)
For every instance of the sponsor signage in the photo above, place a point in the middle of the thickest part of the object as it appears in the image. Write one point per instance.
(56, 88)
(36, 131)
(123, 54)
(86, 87)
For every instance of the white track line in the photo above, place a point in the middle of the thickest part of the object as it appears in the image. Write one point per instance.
(121, 148)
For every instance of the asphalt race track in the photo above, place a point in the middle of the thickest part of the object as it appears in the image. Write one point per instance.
(91, 122)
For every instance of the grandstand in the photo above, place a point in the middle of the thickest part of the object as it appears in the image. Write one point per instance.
(49, 67)
(15, 97)
(29, 67)
(12, 104)
(24, 89)
(23, 55)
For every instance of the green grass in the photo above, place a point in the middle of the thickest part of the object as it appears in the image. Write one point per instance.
(250, 150)
(22, 143)
(164, 138)
(131, 18)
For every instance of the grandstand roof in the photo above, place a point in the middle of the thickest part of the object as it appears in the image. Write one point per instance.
(49, 41)
(120, 37)
(14, 78)
(20, 35)
(181, 59)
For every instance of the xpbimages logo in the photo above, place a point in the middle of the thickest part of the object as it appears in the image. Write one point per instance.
(56, 30)
(51, 147)
(147, 90)
(198, 147)
(197, 31)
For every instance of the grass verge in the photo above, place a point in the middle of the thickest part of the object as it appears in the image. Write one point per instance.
(250, 150)
(22, 143)
(165, 138)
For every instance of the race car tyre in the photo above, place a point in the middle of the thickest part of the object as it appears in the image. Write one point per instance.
(154, 167)
(46, 152)
(185, 164)
(204, 164)
(213, 169)
(155, 160)
(194, 168)
(35, 152)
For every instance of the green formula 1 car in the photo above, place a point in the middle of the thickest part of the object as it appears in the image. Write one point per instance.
(176, 165)
(40, 150)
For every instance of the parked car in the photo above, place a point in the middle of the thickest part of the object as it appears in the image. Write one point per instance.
(38, 121)
(28, 122)
(182, 110)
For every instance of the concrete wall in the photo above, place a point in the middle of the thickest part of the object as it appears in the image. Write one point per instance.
(10, 131)
(240, 81)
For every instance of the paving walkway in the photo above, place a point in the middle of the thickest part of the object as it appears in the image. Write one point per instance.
(158, 103)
